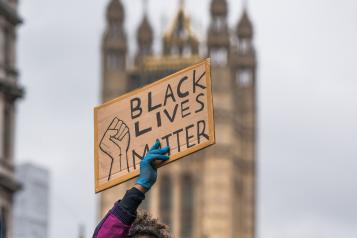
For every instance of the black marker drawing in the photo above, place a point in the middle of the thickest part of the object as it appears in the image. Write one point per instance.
(115, 143)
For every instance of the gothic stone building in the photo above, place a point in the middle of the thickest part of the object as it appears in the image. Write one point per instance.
(10, 91)
(210, 194)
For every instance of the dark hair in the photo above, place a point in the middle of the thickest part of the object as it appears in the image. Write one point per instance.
(144, 224)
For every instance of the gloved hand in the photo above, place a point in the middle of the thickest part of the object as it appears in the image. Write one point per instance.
(148, 171)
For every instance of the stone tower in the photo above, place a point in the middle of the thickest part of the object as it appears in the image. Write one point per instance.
(243, 64)
(218, 38)
(211, 193)
(114, 52)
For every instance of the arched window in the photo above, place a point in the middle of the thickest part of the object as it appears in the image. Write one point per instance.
(219, 56)
(187, 206)
(219, 23)
(114, 61)
(114, 29)
(244, 77)
(166, 199)
(244, 46)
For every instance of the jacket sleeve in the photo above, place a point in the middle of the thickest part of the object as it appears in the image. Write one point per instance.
(117, 222)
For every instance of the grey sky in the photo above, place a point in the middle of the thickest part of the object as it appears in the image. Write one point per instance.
(307, 113)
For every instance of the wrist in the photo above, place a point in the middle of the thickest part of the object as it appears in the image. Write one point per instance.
(140, 188)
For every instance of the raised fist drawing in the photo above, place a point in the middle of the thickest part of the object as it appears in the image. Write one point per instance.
(115, 144)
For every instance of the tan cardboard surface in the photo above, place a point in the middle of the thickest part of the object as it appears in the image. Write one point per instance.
(177, 110)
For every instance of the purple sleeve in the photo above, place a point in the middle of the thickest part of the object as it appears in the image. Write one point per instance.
(117, 223)
(112, 227)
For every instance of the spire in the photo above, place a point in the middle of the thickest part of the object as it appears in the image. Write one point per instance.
(245, 26)
(144, 35)
(114, 51)
(218, 38)
(114, 44)
(145, 31)
(180, 36)
(115, 36)
(219, 8)
(115, 11)
(244, 33)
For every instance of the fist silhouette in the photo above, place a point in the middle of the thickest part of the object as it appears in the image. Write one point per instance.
(115, 144)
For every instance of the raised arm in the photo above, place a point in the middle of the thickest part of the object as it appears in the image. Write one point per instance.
(117, 222)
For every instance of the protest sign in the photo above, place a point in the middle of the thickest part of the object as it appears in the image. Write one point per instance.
(177, 110)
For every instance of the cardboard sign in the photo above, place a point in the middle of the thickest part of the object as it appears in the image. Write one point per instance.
(177, 110)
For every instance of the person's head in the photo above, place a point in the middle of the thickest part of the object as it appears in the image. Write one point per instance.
(145, 226)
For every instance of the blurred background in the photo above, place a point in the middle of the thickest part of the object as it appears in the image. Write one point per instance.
(292, 65)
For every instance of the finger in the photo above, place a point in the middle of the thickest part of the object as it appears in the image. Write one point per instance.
(123, 133)
(118, 127)
(161, 151)
(121, 128)
(155, 146)
(113, 124)
(153, 157)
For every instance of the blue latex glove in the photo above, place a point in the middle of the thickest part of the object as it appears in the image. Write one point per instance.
(148, 171)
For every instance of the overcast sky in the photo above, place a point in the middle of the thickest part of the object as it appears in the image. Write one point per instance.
(307, 107)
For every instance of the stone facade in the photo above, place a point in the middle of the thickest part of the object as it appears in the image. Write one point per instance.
(10, 91)
(210, 194)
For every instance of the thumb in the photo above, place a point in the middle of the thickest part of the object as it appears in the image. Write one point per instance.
(111, 132)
